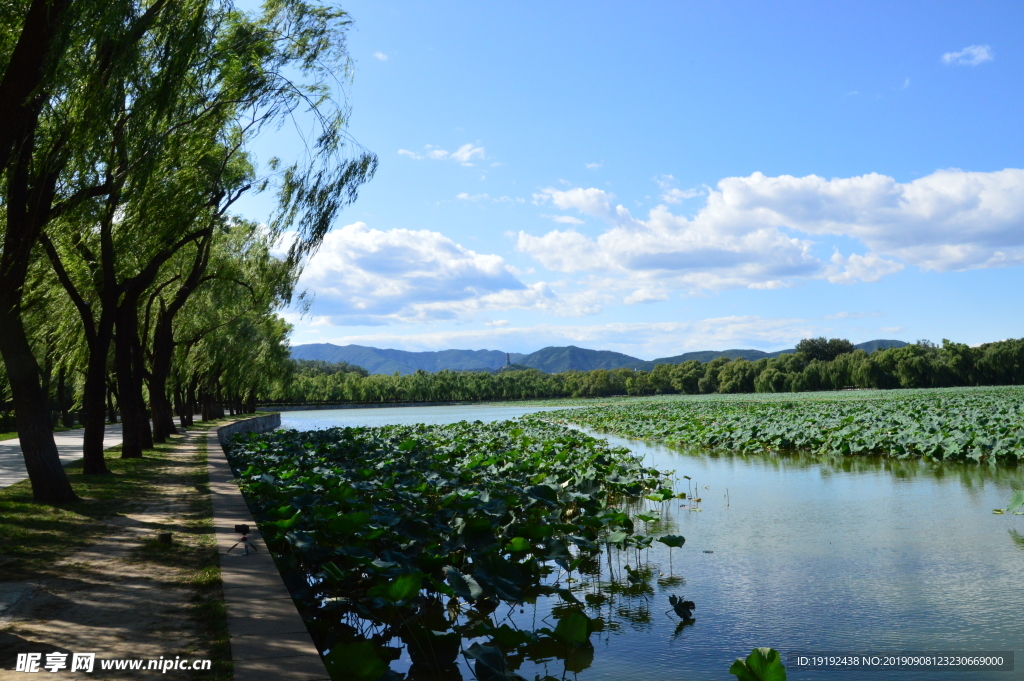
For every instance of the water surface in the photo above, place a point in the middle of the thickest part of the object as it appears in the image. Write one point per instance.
(384, 416)
(852, 555)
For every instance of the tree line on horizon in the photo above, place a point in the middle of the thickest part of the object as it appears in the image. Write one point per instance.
(128, 289)
(817, 364)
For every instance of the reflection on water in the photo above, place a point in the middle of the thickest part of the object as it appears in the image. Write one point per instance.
(795, 552)
(385, 416)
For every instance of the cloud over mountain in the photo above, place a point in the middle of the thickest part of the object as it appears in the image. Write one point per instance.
(366, 276)
(757, 231)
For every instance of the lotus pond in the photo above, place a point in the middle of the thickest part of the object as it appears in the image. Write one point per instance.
(802, 553)
(977, 424)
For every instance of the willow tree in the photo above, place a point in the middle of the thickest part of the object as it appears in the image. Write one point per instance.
(234, 276)
(57, 60)
(212, 80)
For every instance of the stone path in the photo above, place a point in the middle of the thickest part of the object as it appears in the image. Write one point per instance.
(69, 447)
(269, 640)
(115, 599)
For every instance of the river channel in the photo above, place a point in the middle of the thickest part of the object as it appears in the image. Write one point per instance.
(850, 555)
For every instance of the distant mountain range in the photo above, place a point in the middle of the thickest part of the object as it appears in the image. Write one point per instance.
(378, 361)
(708, 355)
(551, 360)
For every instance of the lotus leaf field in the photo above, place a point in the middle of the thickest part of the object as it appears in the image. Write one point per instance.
(968, 424)
(413, 537)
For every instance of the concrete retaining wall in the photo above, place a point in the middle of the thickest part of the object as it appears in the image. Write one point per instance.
(374, 405)
(269, 640)
(257, 424)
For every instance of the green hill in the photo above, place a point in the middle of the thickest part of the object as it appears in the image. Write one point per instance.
(554, 360)
(386, 361)
(550, 360)
(753, 355)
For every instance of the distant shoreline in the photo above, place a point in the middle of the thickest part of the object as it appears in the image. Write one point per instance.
(371, 405)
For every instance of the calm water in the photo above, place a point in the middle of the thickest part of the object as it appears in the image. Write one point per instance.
(383, 416)
(849, 555)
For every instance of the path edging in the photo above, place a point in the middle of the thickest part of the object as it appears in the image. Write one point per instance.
(269, 640)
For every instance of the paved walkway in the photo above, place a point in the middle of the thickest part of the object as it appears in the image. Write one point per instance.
(69, 447)
(269, 640)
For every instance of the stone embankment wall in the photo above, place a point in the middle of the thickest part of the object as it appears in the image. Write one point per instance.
(256, 424)
(372, 405)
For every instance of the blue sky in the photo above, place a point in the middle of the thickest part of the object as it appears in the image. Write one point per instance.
(655, 178)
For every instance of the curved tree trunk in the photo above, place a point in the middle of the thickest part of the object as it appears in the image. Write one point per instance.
(50, 483)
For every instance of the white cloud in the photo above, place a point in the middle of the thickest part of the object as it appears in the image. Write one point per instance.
(645, 295)
(381, 56)
(595, 202)
(564, 219)
(949, 220)
(673, 194)
(466, 196)
(683, 254)
(463, 154)
(364, 276)
(466, 152)
(592, 166)
(852, 315)
(368, 276)
(677, 195)
(643, 340)
(867, 268)
(751, 231)
(971, 55)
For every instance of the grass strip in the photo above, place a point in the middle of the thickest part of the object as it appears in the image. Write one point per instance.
(35, 537)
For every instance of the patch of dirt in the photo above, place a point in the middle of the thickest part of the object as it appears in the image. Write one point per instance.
(127, 595)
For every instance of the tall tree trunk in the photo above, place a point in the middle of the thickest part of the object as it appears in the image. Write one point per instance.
(161, 409)
(191, 403)
(163, 355)
(63, 401)
(179, 407)
(93, 396)
(138, 376)
(128, 394)
(206, 404)
(111, 397)
(50, 483)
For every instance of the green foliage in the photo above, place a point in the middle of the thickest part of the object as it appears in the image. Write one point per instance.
(574, 628)
(318, 367)
(763, 664)
(821, 365)
(356, 661)
(1016, 501)
(133, 123)
(384, 522)
(672, 540)
(973, 424)
(822, 349)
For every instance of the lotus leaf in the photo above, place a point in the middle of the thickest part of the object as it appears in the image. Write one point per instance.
(763, 664)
